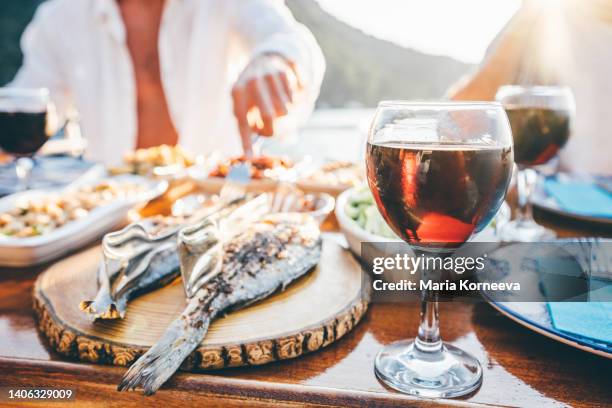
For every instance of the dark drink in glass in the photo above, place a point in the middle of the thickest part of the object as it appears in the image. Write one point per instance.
(438, 196)
(24, 126)
(22, 133)
(538, 133)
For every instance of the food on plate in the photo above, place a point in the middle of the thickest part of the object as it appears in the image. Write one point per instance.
(261, 167)
(265, 257)
(144, 161)
(32, 217)
(337, 173)
(361, 208)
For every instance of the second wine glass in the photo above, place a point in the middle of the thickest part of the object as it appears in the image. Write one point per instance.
(540, 118)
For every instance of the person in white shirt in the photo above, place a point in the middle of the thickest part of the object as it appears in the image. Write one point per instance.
(557, 42)
(203, 73)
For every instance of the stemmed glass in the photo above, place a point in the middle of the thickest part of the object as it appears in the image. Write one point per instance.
(540, 118)
(26, 122)
(439, 172)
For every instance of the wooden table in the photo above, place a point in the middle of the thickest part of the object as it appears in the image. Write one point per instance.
(521, 368)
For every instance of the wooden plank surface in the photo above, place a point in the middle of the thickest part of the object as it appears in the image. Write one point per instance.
(521, 368)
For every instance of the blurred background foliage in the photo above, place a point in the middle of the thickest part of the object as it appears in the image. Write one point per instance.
(14, 15)
(361, 69)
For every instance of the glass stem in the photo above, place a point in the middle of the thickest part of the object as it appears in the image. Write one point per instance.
(23, 168)
(428, 339)
(525, 184)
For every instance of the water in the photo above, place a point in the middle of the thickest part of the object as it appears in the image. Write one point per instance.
(330, 134)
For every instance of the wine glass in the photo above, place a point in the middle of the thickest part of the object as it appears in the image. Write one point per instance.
(439, 172)
(25, 125)
(540, 118)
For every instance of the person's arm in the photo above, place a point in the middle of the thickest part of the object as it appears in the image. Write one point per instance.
(285, 68)
(42, 66)
(502, 64)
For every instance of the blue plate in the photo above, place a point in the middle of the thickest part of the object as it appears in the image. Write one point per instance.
(49, 172)
(535, 315)
(544, 201)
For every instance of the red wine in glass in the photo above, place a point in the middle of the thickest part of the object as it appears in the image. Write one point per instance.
(24, 126)
(23, 133)
(538, 133)
(438, 196)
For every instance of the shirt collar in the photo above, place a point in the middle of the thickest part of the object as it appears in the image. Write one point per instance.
(107, 12)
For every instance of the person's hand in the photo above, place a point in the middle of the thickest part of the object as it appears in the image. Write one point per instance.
(263, 92)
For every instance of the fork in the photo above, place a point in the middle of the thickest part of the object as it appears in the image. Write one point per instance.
(239, 176)
(200, 244)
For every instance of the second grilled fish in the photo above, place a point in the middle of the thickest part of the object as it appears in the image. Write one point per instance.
(266, 257)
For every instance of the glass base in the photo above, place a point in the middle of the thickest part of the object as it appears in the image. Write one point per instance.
(525, 231)
(446, 373)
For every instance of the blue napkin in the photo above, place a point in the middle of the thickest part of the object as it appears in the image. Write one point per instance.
(591, 320)
(587, 313)
(580, 197)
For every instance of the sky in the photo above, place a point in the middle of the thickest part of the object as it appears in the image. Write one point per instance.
(461, 29)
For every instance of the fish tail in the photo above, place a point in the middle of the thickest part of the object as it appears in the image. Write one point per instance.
(103, 306)
(162, 360)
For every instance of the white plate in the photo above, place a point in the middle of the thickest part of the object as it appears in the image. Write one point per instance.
(19, 252)
(354, 234)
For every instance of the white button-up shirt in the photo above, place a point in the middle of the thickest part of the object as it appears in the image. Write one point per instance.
(77, 49)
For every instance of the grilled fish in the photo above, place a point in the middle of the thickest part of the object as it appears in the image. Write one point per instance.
(266, 257)
(135, 261)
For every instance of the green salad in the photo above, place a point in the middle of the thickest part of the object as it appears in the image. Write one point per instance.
(361, 207)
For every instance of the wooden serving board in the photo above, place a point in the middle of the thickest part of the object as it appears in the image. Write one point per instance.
(313, 312)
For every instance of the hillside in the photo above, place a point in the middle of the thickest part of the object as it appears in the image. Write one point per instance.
(362, 69)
